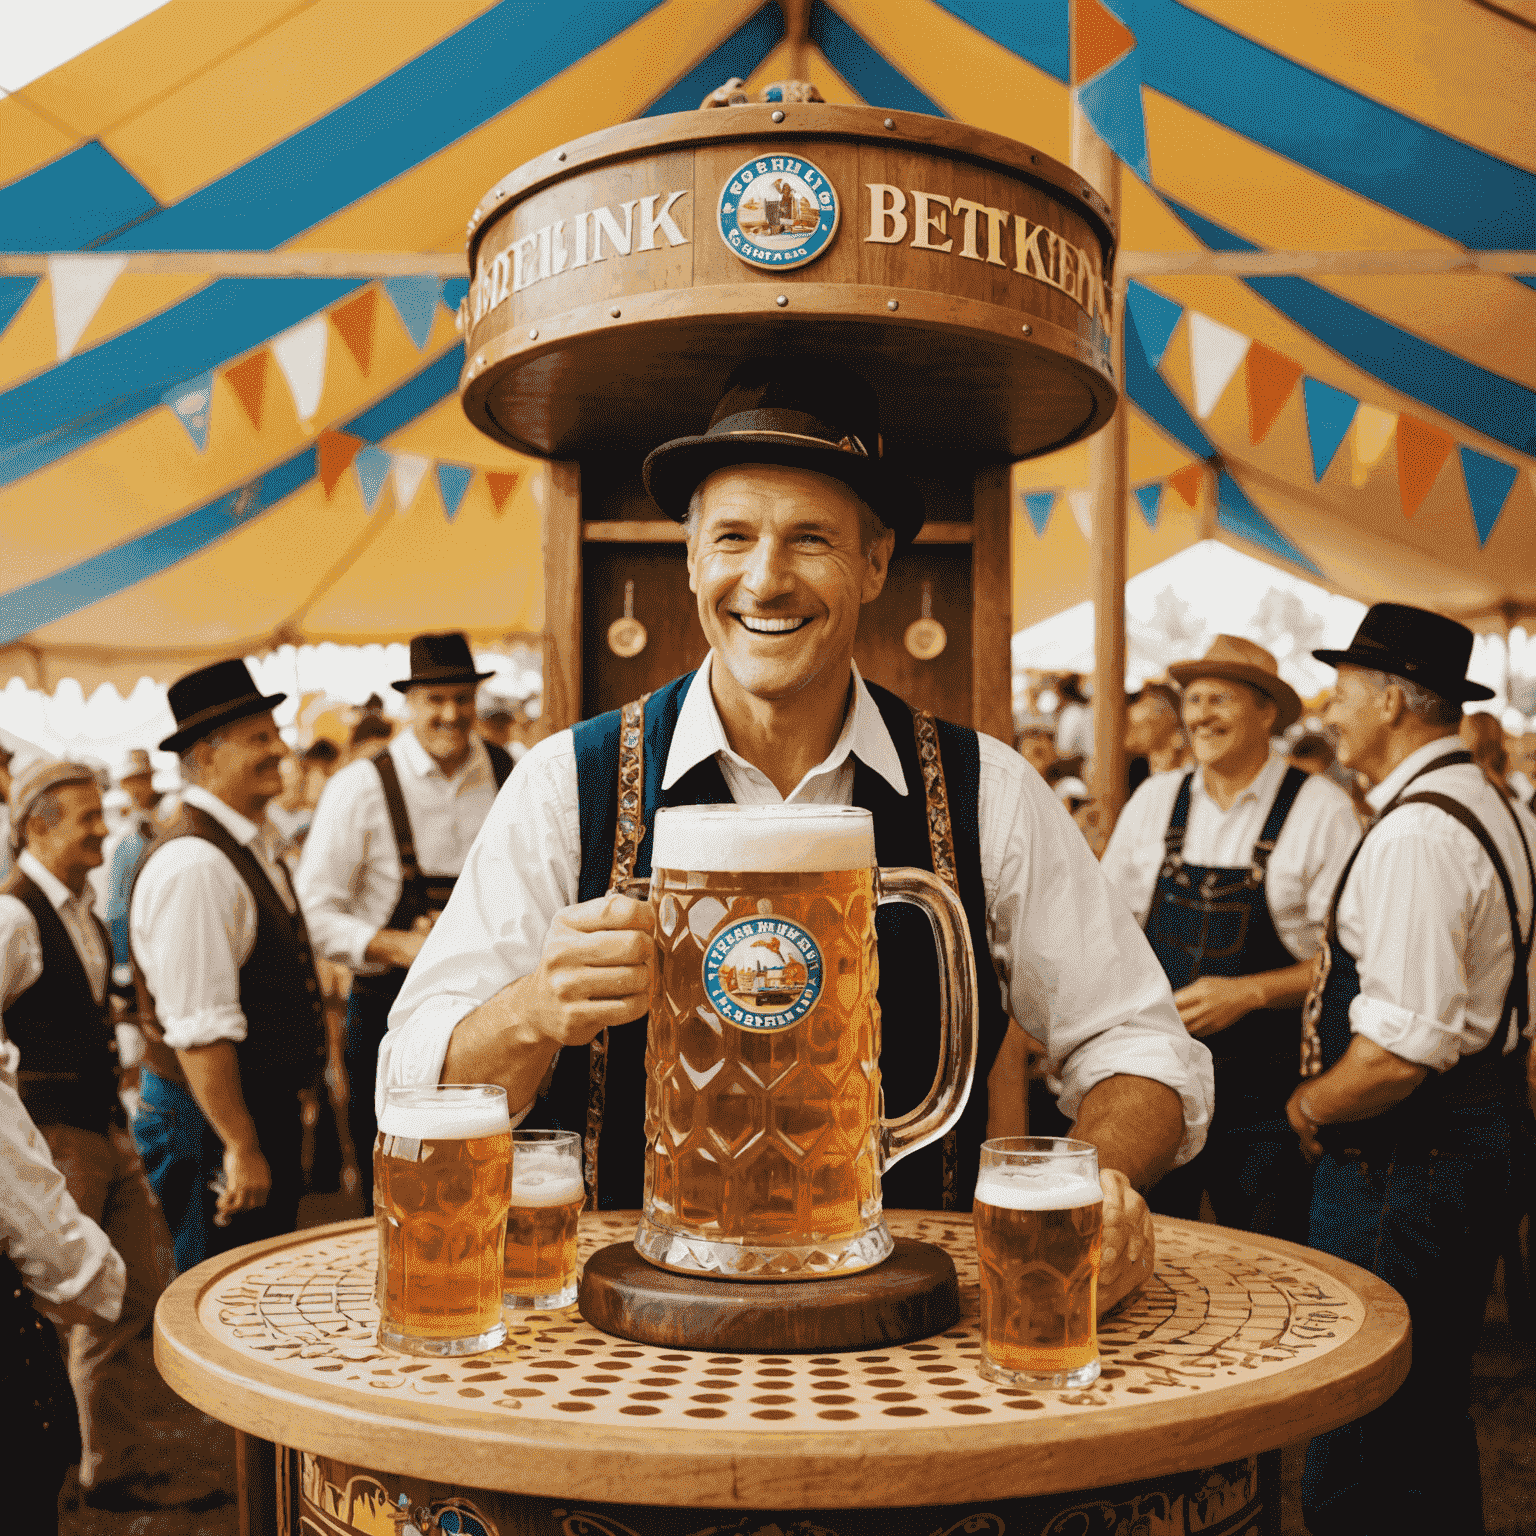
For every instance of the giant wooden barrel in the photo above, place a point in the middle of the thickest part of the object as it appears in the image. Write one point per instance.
(617, 281)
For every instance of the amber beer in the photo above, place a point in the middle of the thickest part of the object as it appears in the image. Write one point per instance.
(547, 1197)
(442, 1167)
(1039, 1221)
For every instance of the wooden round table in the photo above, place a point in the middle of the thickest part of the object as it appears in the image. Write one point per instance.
(1237, 1346)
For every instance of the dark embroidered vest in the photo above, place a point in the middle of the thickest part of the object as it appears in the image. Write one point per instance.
(68, 1073)
(279, 991)
(909, 981)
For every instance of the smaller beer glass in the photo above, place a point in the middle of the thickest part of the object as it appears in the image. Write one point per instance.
(442, 1175)
(1039, 1216)
(547, 1197)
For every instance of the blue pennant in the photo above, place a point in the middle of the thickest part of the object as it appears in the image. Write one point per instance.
(454, 291)
(1238, 515)
(1329, 413)
(190, 403)
(1157, 318)
(1488, 486)
(1149, 496)
(452, 482)
(372, 466)
(1039, 508)
(415, 300)
(14, 292)
(1112, 103)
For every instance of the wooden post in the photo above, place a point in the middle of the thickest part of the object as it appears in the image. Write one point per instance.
(561, 516)
(1109, 487)
(256, 1485)
(992, 602)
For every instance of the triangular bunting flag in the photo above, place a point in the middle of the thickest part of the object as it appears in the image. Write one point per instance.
(1187, 482)
(354, 324)
(300, 353)
(452, 482)
(1038, 505)
(372, 466)
(1422, 450)
(1150, 497)
(415, 300)
(1112, 103)
(1373, 431)
(14, 292)
(336, 451)
(1157, 318)
(1081, 505)
(1238, 515)
(189, 402)
(1329, 413)
(409, 468)
(1099, 37)
(248, 379)
(1216, 352)
(501, 487)
(80, 284)
(1271, 378)
(1488, 486)
(454, 292)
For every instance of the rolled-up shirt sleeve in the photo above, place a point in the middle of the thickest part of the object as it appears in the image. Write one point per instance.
(193, 924)
(523, 868)
(1078, 973)
(21, 951)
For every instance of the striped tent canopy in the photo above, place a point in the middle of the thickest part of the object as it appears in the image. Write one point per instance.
(192, 466)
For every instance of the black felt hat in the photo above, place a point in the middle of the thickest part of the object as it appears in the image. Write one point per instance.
(204, 700)
(1415, 644)
(800, 411)
(440, 661)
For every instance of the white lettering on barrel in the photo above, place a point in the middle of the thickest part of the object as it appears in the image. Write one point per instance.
(651, 221)
(928, 221)
(887, 214)
(603, 222)
(996, 219)
(523, 271)
(560, 254)
(1027, 244)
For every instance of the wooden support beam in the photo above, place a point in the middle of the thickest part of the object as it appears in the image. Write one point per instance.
(561, 517)
(992, 602)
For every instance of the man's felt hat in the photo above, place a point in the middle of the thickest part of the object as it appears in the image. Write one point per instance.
(799, 411)
(440, 661)
(1413, 643)
(204, 700)
(29, 786)
(1241, 661)
(135, 765)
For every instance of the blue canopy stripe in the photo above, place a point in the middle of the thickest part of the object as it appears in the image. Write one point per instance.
(1237, 514)
(868, 71)
(734, 59)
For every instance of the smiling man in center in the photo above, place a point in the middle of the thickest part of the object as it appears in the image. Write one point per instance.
(792, 519)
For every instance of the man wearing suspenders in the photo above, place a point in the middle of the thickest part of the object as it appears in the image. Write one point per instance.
(1411, 1059)
(388, 840)
(792, 517)
(1230, 868)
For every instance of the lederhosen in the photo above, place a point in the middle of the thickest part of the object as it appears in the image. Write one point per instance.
(1208, 920)
(1416, 1195)
(620, 760)
(281, 1053)
(421, 895)
(68, 1070)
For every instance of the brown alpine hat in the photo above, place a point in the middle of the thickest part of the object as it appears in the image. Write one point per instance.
(1241, 661)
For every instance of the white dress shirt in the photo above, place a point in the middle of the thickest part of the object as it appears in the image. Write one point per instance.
(1309, 856)
(1074, 969)
(192, 924)
(1425, 918)
(21, 946)
(349, 879)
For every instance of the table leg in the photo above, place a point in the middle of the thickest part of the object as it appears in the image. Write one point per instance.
(1269, 1492)
(256, 1485)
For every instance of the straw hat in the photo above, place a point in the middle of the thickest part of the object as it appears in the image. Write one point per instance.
(1241, 661)
(29, 786)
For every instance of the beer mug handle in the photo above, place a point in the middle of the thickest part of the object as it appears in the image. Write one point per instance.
(958, 1017)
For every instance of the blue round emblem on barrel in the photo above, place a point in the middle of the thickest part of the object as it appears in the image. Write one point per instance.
(762, 973)
(778, 211)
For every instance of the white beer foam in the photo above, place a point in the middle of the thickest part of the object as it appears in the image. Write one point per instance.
(1018, 1189)
(445, 1120)
(786, 839)
(544, 1179)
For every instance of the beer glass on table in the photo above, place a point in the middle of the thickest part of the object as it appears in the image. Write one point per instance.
(764, 1127)
(1039, 1219)
(442, 1174)
(547, 1197)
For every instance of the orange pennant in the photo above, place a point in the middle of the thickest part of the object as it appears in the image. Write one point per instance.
(1099, 38)
(249, 382)
(1187, 482)
(502, 486)
(1271, 379)
(1421, 454)
(354, 324)
(336, 452)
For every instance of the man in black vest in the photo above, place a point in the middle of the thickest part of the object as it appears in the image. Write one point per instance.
(792, 518)
(387, 843)
(1412, 1038)
(229, 999)
(55, 960)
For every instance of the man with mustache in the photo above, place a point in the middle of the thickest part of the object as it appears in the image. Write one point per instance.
(228, 996)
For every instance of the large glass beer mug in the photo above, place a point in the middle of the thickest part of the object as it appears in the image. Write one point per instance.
(765, 1135)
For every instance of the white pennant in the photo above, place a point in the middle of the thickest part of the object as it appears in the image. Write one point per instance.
(408, 471)
(80, 285)
(300, 353)
(1081, 503)
(1216, 352)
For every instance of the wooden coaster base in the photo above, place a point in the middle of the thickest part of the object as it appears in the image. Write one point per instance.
(913, 1294)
